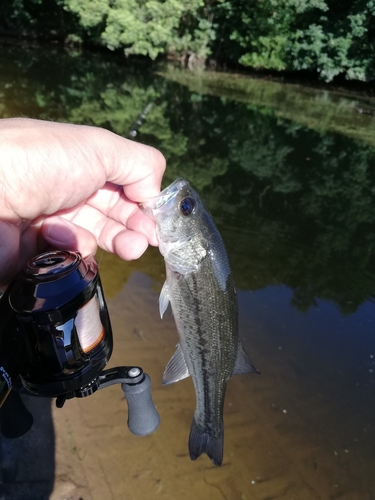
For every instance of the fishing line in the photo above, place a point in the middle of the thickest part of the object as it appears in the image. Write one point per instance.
(88, 325)
(99, 260)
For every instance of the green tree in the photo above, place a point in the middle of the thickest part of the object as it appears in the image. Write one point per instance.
(339, 40)
(327, 37)
(147, 27)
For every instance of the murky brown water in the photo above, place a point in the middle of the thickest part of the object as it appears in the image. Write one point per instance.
(279, 437)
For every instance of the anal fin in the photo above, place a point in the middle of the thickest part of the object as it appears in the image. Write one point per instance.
(243, 363)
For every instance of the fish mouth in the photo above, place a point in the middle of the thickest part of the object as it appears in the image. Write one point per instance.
(163, 200)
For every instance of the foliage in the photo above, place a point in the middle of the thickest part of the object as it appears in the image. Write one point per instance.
(340, 43)
(44, 19)
(147, 27)
(321, 36)
(261, 29)
(328, 37)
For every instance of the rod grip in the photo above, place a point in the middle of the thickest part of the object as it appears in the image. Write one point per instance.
(143, 418)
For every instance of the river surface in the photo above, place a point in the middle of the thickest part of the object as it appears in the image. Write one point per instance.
(294, 198)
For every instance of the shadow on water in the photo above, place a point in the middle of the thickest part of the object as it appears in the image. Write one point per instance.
(292, 191)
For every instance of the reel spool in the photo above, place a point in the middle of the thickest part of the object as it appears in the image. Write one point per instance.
(56, 337)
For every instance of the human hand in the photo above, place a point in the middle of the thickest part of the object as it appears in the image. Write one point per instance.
(72, 187)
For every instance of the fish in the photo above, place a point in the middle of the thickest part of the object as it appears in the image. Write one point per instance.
(200, 288)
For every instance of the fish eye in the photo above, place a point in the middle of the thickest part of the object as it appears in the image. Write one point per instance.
(187, 206)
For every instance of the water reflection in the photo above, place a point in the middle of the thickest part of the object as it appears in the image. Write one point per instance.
(300, 199)
(296, 208)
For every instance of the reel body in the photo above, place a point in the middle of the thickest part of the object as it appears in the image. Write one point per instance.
(56, 336)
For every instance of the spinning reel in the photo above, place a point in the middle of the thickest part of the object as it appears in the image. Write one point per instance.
(56, 339)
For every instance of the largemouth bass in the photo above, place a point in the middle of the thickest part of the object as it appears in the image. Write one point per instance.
(199, 285)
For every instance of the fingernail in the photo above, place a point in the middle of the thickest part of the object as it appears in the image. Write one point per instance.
(61, 231)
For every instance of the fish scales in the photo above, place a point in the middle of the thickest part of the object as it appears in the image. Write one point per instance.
(201, 290)
(207, 334)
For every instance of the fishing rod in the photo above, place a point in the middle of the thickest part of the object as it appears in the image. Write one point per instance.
(133, 132)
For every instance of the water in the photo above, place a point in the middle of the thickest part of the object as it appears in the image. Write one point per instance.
(290, 182)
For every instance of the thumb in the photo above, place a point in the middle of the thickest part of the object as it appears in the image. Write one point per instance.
(64, 235)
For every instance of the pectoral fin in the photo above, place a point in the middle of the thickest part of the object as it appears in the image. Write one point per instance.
(186, 256)
(163, 299)
(176, 368)
(243, 363)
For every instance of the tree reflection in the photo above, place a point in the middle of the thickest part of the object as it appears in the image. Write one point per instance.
(295, 205)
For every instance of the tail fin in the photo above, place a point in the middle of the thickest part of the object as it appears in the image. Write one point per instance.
(202, 442)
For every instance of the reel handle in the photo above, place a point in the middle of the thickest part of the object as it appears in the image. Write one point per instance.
(143, 418)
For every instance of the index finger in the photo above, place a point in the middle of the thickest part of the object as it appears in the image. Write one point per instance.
(137, 167)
